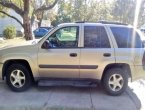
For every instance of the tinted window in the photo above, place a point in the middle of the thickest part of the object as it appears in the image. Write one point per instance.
(66, 37)
(95, 37)
(126, 37)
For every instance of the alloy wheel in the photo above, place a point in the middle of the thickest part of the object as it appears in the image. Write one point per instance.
(17, 78)
(116, 82)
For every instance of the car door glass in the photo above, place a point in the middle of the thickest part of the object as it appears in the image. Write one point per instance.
(95, 37)
(66, 37)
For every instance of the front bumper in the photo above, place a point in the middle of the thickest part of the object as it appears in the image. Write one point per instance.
(1, 65)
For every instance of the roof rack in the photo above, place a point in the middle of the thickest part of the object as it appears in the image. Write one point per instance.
(80, 21)
(108, 22)
(103, 22)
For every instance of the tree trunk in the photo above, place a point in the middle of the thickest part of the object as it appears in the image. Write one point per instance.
(40, 19)
(27, 27)
(39, 23)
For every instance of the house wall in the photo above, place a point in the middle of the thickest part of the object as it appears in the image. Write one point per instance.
(6, 21)
(45, 23)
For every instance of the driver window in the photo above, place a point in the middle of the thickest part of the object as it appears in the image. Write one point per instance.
(66, 37)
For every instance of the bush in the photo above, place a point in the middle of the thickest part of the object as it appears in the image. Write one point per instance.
(9, 32)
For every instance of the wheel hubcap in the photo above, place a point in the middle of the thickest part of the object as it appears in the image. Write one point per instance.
(17, 78)
(116, 82)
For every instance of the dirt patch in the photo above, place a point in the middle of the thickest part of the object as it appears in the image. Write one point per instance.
(14, 41)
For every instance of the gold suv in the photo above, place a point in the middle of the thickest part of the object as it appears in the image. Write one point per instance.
(77, 54)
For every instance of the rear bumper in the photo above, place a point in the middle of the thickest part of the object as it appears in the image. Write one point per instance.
(139, 73)
(1, 65)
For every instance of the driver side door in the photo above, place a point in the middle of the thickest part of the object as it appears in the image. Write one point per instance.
(61, 58)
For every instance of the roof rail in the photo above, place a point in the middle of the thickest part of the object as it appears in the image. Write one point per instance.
(108, 22)
(80, 21)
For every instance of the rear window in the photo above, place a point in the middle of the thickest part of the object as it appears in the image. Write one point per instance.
(126, 37)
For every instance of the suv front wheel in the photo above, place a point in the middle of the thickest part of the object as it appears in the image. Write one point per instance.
(115, 81)
(18, 77)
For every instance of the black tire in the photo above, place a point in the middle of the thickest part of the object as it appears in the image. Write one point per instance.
(109, 76)
(24, 71)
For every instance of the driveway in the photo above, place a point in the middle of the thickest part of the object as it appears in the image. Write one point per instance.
(68, 98)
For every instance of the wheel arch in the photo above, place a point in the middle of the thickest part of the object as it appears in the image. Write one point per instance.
(17, 61)
(124, 66)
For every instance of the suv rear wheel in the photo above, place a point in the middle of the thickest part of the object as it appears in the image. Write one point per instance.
(18, 77)
(115, 81)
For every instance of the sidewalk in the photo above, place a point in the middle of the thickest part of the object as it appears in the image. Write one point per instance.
(138, 88)
(66, 98)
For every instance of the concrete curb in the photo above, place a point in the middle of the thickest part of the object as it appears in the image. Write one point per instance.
(42, 108)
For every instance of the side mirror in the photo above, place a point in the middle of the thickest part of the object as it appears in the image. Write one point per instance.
(45, 45)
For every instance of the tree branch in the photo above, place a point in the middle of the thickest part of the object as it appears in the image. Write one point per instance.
(26, 6)
(44, 8)
(12, 17)
(12, 6)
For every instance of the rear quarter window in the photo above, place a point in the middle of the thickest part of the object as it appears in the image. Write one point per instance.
(126, 37)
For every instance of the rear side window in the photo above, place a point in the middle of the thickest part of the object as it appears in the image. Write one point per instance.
(126, 37)
(95, 37)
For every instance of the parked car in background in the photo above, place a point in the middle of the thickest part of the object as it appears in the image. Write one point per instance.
(40, 32)
(48, 28)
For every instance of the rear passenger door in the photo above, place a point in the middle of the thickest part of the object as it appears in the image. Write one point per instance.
(96, 53)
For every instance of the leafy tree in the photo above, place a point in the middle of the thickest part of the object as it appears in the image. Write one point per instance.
(141, 17)
(64, 13)
(124, 10)
(26, 9)
(83, 10)
(99, 10)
